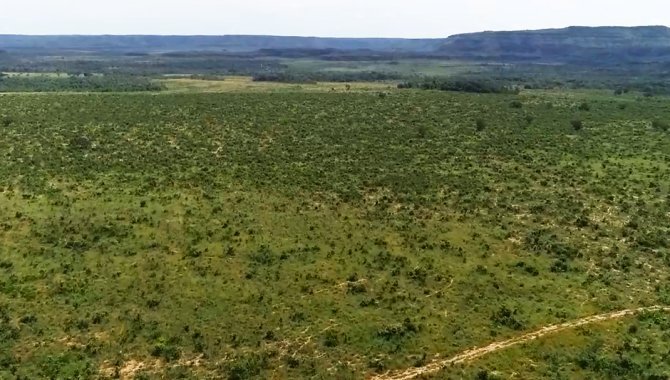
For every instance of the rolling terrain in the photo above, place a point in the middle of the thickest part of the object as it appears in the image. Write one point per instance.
(322, 231)
(583, 45)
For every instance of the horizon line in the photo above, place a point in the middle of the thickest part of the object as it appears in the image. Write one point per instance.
(319, 37)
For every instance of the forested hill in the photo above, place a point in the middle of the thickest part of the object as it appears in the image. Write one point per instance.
(571, 45)
(230, 43)
(574, 44)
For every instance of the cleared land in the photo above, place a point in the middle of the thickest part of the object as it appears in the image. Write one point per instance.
(246, 84)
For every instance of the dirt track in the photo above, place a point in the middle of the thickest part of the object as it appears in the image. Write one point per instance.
(478, 352)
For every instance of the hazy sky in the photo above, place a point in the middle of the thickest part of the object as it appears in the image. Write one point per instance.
(337, 18)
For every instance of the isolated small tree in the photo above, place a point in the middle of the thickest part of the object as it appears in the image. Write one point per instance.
(529, 119)
(584, 107)
(6, 121)
(577, 124)
(480, 125)
(660, 125)
(422, 131)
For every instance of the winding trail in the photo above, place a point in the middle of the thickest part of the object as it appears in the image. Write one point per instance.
(478, 352)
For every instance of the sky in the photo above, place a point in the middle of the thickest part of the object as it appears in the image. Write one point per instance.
(325, 18)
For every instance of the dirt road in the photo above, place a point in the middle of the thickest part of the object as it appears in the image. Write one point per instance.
(478, 352)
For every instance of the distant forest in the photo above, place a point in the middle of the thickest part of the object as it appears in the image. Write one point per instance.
(610, 57)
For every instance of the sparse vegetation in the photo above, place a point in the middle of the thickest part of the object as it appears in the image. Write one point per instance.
(330, 234)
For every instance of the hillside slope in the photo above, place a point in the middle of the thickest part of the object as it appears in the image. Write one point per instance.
(231, 43)
(582, 45)
(574, 44)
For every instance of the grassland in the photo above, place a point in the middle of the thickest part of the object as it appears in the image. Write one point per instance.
(404, 67)
(245, 84)
(284, 232)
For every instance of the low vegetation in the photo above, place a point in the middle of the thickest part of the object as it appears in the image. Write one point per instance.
(482, 86)
(77, 83)
(330, 234)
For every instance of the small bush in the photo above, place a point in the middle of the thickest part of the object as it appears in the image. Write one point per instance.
(516, 104)
(529, 120)
(577, 124)
(247, 367)
(422, 131)
(166, 351)
(660, 125)
(331, 339)
(507, 318)
(480, 125)
(397, 331)
(263, 256)
(584, 107)
(560, 266)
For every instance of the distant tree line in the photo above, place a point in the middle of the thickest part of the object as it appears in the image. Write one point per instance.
(78, 83)
(140, 64)
(475, 85)
(212, 77)
(326, 76)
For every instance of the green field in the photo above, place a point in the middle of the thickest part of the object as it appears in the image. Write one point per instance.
(331, 234)
(238, 84)
(404, 67)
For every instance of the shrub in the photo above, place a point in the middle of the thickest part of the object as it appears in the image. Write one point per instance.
(577, 124)
(582, 221)
(486, 375)
(398, 330)
(422, 131)
(356, 288)
(529, 269)
(560, 266)
(247, 367)
(660, 125)
(331, 339)
(480, 125)
(507, 317)
(167, 351)
(80, 142)
(584, 107)
(529, 119)
(263, 256)
(69, 365)
(516, 104)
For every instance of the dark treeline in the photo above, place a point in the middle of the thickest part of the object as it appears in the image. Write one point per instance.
(325, 76)
(138, 63)
(649, 79)
(482, 86)
(97, 83)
